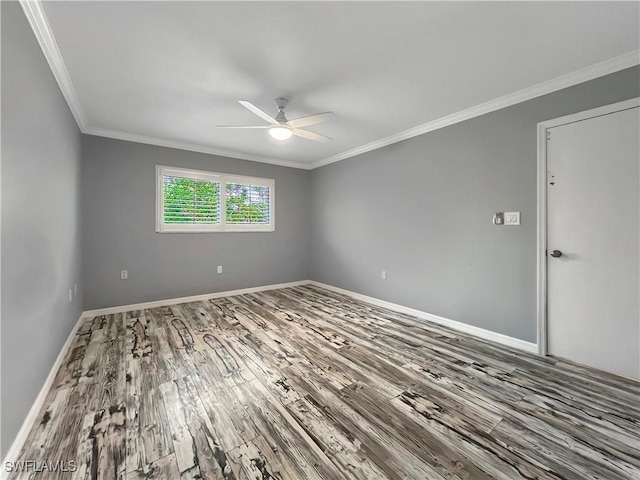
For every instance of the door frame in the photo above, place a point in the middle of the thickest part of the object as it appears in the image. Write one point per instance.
(543, 127)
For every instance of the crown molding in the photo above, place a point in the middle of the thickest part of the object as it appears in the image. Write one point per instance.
(612, 65)
(601, 69)
(191, 147)
(38, 21)
(40, 26)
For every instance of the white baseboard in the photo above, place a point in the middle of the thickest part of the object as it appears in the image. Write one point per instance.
(193, 298)
(32, 417)
(461, 327)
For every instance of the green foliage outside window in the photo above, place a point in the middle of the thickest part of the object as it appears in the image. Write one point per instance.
(247, 203)
(191, 201)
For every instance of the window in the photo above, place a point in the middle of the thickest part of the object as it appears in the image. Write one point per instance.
(198, 201)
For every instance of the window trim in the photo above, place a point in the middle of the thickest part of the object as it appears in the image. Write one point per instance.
(223, 179)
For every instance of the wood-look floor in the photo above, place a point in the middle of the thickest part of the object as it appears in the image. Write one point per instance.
(302, 383)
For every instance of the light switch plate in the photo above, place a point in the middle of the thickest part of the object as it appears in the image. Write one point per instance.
(512, 218)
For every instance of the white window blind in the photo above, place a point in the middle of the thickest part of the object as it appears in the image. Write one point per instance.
(199, 201)
(248, 204)
(191, 201)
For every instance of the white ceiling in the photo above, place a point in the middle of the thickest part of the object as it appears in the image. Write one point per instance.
(169, 72)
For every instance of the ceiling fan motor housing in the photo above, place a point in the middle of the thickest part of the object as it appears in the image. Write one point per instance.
(281, 102)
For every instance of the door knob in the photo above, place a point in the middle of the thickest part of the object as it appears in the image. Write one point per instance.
(556, 253)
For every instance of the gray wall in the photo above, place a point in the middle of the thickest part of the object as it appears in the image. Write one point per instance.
(118, 211)
(40, 220)
(422, 209)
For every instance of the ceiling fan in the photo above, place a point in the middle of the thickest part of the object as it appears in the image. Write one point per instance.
(280, 128)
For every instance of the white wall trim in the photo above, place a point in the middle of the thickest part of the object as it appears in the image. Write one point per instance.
(541, 267)
(601, 69)
(38, 21)
(37, 18)
(40, 26)
(455, 325)
(594, 112)
(32, 417)
(193, 298)
(583, 75)
(190, 147)
(541, 243)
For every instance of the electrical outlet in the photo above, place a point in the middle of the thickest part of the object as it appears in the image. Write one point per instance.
(383, 275)
(219, 268)
(124, 274)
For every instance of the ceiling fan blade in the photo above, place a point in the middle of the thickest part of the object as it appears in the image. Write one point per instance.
(257, 111)
(310, 135)
(311, 120)
(243, 126)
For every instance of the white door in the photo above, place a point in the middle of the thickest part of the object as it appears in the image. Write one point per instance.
(593, 221)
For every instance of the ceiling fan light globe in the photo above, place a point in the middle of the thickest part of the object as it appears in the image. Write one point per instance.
(280, 132)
